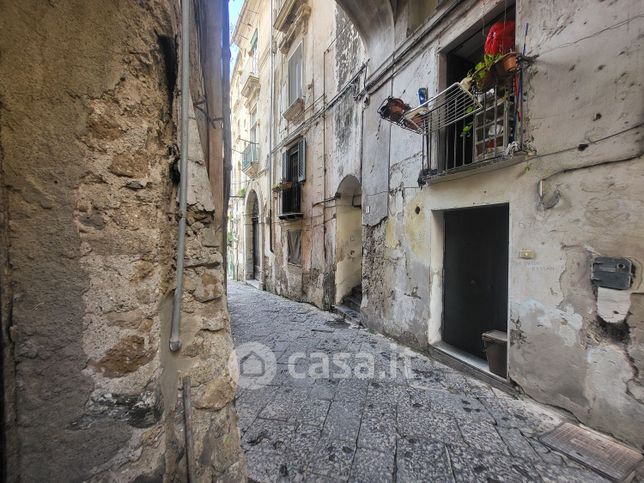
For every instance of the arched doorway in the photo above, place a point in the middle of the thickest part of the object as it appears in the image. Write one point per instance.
(253, 250)
(348, 243)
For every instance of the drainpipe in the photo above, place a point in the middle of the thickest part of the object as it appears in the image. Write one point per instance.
(324, 173)
(228, 150)
(175, 341)
(270, 176)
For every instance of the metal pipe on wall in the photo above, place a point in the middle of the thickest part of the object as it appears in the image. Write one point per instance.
(271, 175)
(175, 340)
(228, 149)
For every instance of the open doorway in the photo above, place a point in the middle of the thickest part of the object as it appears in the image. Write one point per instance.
(348, 244)
(253, 238)
(475, 292)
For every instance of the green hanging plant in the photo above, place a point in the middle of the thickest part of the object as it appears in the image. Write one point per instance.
(467, 128)
(484, 73)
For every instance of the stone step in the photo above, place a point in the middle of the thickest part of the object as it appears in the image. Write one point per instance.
(348, 314)
(352, 302)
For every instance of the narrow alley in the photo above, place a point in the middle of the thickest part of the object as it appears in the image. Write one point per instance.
(383, 422)
(321, 240)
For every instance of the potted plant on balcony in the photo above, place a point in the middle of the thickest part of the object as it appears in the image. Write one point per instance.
(277, 187)
(506, 65)
(484, 74)
(286, 184)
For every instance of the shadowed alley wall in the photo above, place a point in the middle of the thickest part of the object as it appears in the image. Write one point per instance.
(88, 145)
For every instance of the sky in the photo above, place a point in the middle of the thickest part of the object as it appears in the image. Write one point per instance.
(234, 7)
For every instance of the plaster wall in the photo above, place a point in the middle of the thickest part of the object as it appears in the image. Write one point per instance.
(88, 151)
(584, 116)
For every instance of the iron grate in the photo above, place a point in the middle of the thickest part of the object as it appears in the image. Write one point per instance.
(602, 454)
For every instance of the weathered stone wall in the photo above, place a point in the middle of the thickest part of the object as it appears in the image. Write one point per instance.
(581, 116)
(332, 54)
(88, 141)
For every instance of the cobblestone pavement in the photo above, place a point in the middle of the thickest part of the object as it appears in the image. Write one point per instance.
(435, 425)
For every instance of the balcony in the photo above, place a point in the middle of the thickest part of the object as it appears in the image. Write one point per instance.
(250, 160)
(468, 128)
(291, 18)
(285, 13)
(250, 79)
(295, 112)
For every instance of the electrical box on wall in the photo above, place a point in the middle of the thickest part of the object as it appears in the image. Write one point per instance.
(612, 272)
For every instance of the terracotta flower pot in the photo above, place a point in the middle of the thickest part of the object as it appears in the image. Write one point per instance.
(507, 65)
(393, 109)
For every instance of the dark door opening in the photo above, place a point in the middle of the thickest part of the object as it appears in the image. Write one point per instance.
(475, 292)
(255, 242)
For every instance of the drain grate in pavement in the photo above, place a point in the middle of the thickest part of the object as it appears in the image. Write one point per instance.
(611, 459)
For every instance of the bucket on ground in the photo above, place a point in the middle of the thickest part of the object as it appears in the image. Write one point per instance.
(496, 350)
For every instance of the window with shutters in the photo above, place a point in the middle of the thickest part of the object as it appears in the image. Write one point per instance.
(293, 176)
(295, 75)
(253, 53)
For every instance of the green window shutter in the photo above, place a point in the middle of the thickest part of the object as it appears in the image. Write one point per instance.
(253, 42)
(285, 165)
(301, 160)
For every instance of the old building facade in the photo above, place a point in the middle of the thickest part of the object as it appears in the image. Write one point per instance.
(291, 101)
(89, 146)
(513, 208)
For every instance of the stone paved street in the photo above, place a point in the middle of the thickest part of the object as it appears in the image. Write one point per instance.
(384, 423)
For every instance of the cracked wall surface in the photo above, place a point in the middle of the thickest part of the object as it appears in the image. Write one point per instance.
(581, 94)
(88, 139)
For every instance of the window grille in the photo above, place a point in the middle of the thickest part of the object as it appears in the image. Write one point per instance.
(487, 133)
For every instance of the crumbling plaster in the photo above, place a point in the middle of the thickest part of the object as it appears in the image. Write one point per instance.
(581, 92)
(88, 142)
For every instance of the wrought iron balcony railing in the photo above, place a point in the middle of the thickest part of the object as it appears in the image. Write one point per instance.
(465, 128)
(250, 158)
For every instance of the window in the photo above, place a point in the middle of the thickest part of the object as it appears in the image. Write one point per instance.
(254, 127)
(253, 53)
(295, 75)
(293, 175)
(492, 129)
(294, 243)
